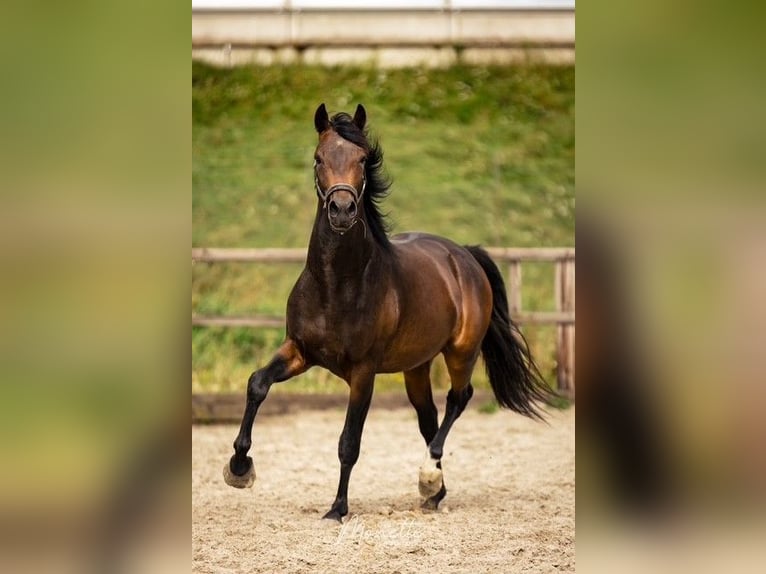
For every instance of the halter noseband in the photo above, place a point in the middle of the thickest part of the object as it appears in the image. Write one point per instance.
(327, 194)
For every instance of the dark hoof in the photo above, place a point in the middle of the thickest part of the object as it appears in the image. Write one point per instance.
(432, 503)
(245, 480)
(334, 514)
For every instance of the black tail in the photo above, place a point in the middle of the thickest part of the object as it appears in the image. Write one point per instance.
(515, 379)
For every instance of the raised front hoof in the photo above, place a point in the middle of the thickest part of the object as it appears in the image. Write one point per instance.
(430, 481)
(432, 503)
(334, 514)
(245, 480)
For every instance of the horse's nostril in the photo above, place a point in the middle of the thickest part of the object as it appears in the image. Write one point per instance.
(352, 209)
(334, 209)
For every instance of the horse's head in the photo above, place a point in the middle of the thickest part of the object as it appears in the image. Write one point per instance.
(339, 166)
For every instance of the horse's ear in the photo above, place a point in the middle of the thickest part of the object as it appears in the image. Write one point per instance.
(321, 119)
(360, 117)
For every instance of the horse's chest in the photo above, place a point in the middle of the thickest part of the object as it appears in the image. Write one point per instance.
(334, 343)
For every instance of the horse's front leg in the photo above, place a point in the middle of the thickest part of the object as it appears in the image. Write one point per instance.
(286, 363)
(361, 384)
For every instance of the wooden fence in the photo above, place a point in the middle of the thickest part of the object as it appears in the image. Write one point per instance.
(563, 258)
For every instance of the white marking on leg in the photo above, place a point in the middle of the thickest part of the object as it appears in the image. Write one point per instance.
(430, 478)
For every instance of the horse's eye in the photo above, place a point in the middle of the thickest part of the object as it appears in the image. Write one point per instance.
(317, 161)
(363, 160)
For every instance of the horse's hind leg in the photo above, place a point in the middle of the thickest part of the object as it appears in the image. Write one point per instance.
(286, 363)
(460, 368)
(418, 383)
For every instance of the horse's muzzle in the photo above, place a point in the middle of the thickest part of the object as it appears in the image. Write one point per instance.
(342, 210)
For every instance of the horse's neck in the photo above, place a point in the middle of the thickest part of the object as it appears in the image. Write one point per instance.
(337, 260)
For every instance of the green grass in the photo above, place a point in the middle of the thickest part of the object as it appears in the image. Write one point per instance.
(478, 154)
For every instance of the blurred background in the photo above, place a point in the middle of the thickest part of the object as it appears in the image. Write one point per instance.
(95, 214)
(473, 103)
(671, 229)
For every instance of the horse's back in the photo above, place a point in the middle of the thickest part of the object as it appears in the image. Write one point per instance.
(420, 252)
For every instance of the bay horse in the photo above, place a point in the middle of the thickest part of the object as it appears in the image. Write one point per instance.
(367, 303)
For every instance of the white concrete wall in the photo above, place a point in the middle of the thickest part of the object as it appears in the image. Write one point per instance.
(287, 5)
(387, 37)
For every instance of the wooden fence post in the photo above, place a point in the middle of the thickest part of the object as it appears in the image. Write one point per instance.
(569, 329)
(560, 375)
(514, 286)
(564, 287)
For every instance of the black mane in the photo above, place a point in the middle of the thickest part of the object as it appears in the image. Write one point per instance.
(377, 181)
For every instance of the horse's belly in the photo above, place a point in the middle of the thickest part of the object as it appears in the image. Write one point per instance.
(406, 361)
(412, 348)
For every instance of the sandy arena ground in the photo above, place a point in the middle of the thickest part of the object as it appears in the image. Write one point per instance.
(509, 507)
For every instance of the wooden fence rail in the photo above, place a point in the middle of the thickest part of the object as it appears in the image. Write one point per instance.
(564, 289)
